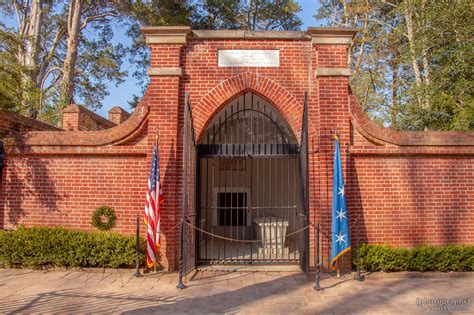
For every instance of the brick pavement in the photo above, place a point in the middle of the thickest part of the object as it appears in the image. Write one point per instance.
(34, 291)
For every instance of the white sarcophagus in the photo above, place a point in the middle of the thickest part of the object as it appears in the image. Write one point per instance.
(271, 231)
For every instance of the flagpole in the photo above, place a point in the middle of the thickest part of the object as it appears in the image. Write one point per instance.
(157, 200)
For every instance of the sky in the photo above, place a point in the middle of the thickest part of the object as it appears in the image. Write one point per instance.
(122, 94)
(119, 96)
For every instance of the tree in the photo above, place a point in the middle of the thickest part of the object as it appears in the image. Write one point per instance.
(151, 13)
(12, 74)
(246, 14)
(64, 51)
(50, 45)
(412, 60)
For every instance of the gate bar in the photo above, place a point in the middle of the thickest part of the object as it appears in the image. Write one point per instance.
(184, 196)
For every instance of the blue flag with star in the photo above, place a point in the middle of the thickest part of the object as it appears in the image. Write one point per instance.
(341, 241)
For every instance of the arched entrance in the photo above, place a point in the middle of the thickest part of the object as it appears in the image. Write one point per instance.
(250, 201)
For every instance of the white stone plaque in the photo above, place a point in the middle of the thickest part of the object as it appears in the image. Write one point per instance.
(248, 58)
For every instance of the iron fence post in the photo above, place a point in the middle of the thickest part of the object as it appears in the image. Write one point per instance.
(317, 287)
(358, 276)
(181, 258)
(137, 249)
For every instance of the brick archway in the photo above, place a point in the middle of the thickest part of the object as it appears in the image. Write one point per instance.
(286, 103)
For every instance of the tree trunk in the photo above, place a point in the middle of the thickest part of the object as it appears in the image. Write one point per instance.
(33, 39)
(30, 24)
(362, 44)
(416, 67)
(73, 29)
(394, 111)
(254, 18)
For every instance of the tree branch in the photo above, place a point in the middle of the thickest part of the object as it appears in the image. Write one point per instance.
(22, 23)
(390, 4)
(54, 81)
(17, 12)
(49, 57)
(387, 25)
(98, 17)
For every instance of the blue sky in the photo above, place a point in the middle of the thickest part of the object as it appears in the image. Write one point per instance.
(119, 96)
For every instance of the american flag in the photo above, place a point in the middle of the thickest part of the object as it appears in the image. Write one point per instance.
(154, 199)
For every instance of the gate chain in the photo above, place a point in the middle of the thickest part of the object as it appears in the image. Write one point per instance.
(243, 241)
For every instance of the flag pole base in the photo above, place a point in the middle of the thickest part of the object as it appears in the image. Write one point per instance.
(358, 277)
(137, 273)
(317, 287)
(181, 286)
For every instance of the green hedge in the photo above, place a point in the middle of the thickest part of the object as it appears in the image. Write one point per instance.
(40, 246)
(422, 258)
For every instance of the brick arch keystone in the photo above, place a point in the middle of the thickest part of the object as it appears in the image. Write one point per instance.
(219, 96)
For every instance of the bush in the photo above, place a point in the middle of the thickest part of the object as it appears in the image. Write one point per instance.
(60, 247)
(422, 258)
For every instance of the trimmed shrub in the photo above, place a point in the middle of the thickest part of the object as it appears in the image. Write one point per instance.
(60, 247)
(422, 258)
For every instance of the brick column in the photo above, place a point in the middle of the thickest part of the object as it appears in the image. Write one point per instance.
(165, 118)
(329, 113)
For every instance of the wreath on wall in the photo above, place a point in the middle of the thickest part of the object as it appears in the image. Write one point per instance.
(104, 218)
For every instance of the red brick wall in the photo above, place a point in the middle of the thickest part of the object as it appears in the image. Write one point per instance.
(210, 87)
(405, 188)
(10, 121)
(65, 190)
(412, 200)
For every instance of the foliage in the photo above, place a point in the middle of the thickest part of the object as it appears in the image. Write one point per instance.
(55, 63)
(45, 52)
(250, 15)
(11, 74)
(101, 214)
(150, 13)
(412, 60)
(40, 246)
(422, 258)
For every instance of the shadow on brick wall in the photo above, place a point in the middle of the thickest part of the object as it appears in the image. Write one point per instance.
(354, 205)
(27, 186)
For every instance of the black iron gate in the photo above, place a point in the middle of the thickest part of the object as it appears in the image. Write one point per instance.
(304, 188)
(188, 235)
(252, 207)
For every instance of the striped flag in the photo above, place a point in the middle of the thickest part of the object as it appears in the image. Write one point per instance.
(154, 199)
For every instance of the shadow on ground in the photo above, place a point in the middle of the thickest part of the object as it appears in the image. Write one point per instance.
(209, 292)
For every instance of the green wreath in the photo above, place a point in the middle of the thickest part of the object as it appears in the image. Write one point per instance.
(104, 218)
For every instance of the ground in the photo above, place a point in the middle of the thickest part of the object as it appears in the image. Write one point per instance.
(36, 291)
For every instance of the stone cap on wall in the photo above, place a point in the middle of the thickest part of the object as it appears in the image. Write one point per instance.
(180, 34)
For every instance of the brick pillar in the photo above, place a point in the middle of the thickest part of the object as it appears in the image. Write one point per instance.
(330, 113)
(118, 115)
(166, 119)
(77, 117)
